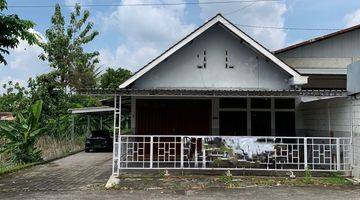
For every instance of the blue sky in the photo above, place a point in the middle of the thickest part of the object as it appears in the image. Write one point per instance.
(132, 36)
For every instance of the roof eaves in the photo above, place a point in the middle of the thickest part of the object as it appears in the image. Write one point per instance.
(317, 39)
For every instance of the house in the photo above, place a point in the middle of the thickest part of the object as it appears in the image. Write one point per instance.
(6, 116)
(219, 100)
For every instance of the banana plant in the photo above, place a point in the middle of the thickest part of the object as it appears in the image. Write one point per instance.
(21, 134)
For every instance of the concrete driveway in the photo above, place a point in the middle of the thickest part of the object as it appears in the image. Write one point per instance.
(76, 172)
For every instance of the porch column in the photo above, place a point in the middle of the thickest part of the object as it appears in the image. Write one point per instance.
(273, 117)
(133, 114)
(215, 116)
(248, 116)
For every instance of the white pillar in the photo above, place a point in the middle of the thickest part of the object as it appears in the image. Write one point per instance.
(119, 135)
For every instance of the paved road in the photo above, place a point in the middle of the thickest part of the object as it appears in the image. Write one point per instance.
(76, 172)
(81, 176)
(293, 193)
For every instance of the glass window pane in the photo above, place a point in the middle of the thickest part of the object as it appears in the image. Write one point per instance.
(284, 103)
(285, 123)
(233, 123)
(233, 103)
(262, 103)
(261, 123)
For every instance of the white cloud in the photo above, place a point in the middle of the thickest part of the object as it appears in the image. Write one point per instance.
(353, 18)
(257, 14)
(23, 62)
(124, 57)
(24, 56)
(145, 32)
(81, 2)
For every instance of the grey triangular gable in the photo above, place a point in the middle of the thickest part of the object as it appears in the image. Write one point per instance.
(295, 77)
(215, 59)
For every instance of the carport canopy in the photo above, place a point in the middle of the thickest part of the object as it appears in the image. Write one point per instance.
(100, 110)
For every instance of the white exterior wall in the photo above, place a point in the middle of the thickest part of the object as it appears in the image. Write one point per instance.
(251, 71)
(320, 118)
(356, 136)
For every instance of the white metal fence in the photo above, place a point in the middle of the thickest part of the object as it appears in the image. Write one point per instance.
(232, 152)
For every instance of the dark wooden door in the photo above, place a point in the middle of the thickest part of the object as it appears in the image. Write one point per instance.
(168, 117)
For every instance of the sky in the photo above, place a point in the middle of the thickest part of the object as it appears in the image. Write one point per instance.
(131, 36)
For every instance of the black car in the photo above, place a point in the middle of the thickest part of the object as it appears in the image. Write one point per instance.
(99, 141)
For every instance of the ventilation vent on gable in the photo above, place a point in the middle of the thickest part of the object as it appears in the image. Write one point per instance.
(201, 60)
(227, 62)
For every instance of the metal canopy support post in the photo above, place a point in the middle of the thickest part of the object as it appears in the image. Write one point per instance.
(88, 125)
(72, 127)
(101, 122)
(117, 135)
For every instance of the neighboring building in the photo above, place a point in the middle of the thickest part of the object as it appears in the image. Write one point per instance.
(6, 116)
(331, 61)
(220, 100)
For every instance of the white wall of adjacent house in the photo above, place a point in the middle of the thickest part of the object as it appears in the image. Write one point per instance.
(329, 56)
(328, 117)
(356, 135)
(216, 59)
(338, 117)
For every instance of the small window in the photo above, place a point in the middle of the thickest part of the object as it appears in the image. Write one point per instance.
(233, 103)
(261, 103)
(284, 103)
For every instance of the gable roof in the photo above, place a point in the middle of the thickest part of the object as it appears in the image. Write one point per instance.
(297, 78)
(317, 39)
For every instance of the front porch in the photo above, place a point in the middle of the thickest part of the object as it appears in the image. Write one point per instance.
(235, 130)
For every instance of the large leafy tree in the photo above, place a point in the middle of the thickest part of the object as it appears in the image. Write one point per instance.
(12, 30)
(64, 49)
(112, 78)
(15, 98)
